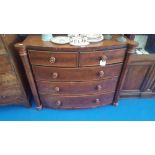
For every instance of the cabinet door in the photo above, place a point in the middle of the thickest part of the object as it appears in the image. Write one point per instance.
(140, 77)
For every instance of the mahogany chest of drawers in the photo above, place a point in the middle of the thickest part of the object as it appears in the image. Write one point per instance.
(12, 88)
(65, 76)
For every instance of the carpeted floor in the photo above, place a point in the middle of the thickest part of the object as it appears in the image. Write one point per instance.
(128, 110)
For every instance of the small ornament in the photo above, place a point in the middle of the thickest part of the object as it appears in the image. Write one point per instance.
(46, 37)
(107, 36)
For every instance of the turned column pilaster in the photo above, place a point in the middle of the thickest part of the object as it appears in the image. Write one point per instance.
(25, 60)
(130, 50)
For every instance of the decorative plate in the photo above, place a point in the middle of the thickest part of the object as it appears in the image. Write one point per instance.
(60, 40)
(95, 37)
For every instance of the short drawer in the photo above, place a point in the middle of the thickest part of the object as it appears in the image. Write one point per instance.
(47, 58)
(76, 74)
(5, 65)
(72, 88)
(73, 102)
(110, 56)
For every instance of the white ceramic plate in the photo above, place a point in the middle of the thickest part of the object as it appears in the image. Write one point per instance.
(95, 37)
(95, 40)
(60, 40)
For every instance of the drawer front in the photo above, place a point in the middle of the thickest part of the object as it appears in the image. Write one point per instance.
(76, 102)
(72, 88)
(5, 65)
(110, 56)
(76, 74)
(46, 58)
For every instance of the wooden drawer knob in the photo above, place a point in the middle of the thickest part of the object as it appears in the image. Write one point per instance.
(99, 87)
(55, 75)
(104, 58)
(52, 60)
(97, 101)
(58, 103)
(101, 74)
(57, 89)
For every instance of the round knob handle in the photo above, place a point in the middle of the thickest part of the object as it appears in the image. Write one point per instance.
(104, 58)
(101, 74)
(97, 101)
(57, 89)
(52, 60)
(99, 87)
(55, 75)
(58, 103)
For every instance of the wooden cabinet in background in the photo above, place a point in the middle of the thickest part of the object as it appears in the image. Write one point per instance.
(13, 84)
(140, 77)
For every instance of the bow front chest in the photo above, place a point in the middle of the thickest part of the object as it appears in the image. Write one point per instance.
(66, 76)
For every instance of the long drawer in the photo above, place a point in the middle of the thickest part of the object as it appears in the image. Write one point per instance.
(110, 56)
(76, 74)
(72, 88)
(72, 102)
(60, 59)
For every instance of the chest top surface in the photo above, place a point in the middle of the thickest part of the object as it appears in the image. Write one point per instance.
(35, 42)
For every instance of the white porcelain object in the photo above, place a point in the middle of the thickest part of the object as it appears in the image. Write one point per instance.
(95, 37)
(79, 41)
(60, 40)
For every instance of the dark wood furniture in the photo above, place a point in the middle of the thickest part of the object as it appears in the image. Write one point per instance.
(65, 76)
(140, 77)
(12, 89)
